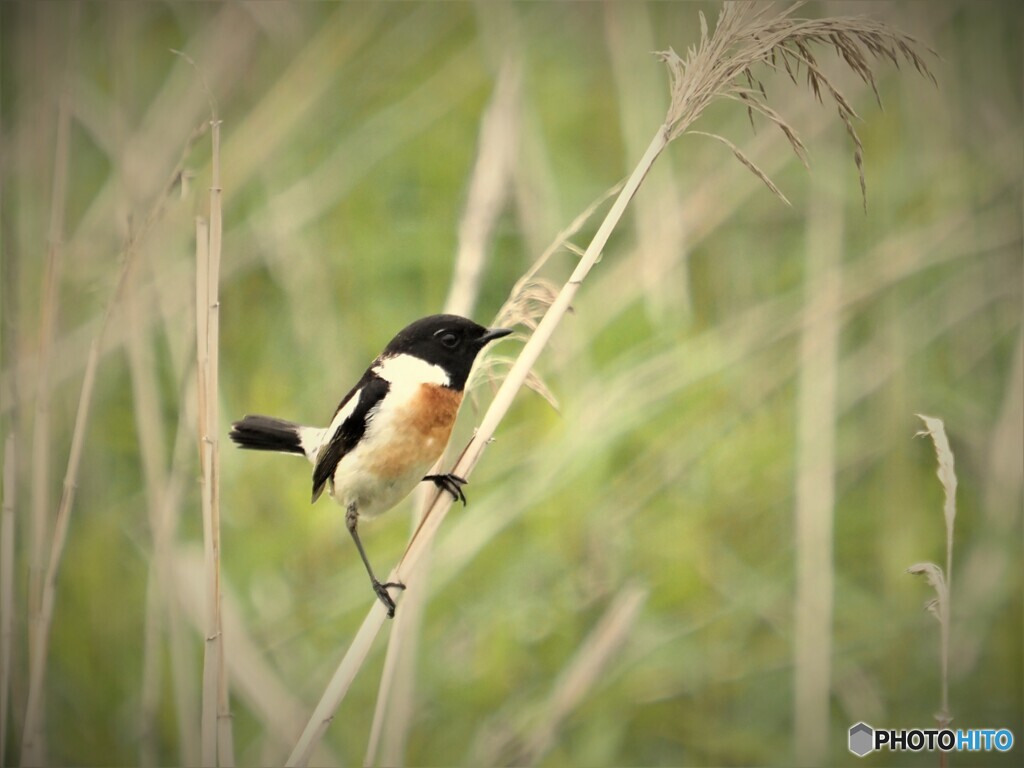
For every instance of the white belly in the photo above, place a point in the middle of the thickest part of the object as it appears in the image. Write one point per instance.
(372, 494)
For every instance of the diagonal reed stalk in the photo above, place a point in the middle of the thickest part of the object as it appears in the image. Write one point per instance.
(747, 34)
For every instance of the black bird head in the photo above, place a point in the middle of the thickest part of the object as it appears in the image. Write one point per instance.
(448, 341)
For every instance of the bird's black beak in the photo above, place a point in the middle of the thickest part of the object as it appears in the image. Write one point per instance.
(494, 333)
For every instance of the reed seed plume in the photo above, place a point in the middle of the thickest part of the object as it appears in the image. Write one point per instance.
(528, 302)
(750, 34)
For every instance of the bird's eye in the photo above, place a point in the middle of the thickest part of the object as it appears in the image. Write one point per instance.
(450, 340)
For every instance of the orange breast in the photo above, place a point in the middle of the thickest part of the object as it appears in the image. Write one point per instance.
(420, 433)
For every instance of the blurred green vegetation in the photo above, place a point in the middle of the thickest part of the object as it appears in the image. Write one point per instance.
(350, 132)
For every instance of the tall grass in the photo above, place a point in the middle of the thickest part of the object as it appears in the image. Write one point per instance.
(674, 566)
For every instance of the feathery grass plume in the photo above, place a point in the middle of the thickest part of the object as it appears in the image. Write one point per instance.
(749, 34)
(530, 299)
(940, 581)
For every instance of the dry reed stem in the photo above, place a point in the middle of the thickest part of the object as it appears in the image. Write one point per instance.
(42, 449)
(163, 487)
(186, 698)
(211, 670)
(7, 582)
(815, 476)
(217, 740)
(216, 737)
(149, 696)
(225, 737)
(150, 438)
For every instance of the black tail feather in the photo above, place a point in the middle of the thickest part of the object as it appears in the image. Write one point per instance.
(265, 433)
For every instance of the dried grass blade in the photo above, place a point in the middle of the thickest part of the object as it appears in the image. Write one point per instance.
(750, 164)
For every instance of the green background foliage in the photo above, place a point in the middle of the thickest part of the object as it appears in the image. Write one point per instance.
(669, 473)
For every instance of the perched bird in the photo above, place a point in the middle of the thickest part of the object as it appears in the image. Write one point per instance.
(389, 429)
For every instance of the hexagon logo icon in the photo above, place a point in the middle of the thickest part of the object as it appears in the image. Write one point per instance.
(861, 740)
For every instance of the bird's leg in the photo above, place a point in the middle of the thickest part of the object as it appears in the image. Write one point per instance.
(451, 483)
(381, 590)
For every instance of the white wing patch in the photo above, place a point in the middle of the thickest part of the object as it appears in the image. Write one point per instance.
(313, 439)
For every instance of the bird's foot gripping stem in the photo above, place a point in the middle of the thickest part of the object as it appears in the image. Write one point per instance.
(384, 596)
(451, 483)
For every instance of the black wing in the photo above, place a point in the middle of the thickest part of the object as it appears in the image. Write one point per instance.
(349, 432)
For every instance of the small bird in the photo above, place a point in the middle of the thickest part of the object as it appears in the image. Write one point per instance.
(389, 429)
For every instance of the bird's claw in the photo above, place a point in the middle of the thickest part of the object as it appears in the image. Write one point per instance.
(451, 483)
(384, 596)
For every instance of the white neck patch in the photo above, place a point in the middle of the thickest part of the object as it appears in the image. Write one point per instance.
(408, 371)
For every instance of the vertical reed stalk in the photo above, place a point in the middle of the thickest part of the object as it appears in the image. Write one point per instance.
(815, 475)
(217, 742)
(6, 584)
(183, 677)
(39, 528)
(225, 738)
(208, 717)
(159, 593)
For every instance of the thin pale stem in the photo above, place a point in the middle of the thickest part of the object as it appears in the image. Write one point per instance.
(815, 477)
(211, 656)
(41, 447)
(37, 668)
(6, 584)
